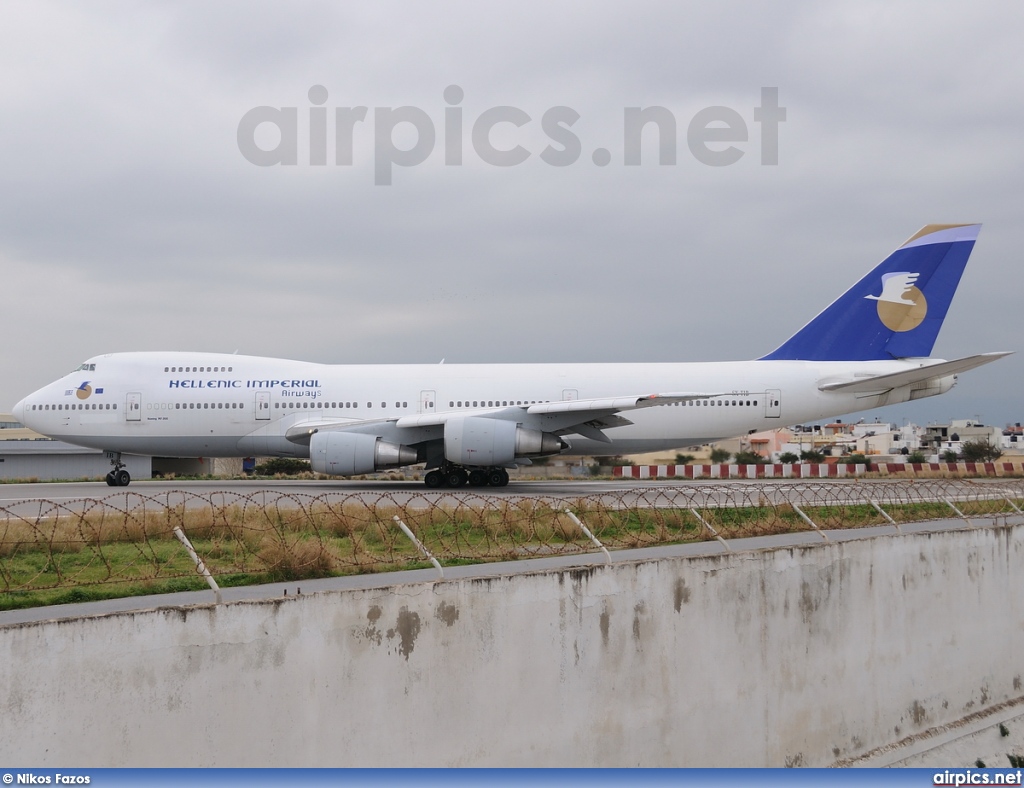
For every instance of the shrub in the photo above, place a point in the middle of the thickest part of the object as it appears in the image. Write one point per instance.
(286, 465)
(304, 558)
(980, 451)
(788, 457)
(614, 461)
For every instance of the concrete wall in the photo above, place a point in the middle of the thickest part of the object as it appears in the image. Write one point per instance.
(987, 737)
(195, 466)
(797, 656)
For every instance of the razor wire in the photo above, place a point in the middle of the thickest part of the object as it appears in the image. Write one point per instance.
(125, 543)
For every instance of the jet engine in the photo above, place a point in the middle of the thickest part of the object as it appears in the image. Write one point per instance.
(482, 442)
(351, 453)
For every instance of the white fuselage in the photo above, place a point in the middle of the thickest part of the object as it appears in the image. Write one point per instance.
(177, 404)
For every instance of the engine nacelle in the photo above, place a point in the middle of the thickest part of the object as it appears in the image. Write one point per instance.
(482, 442)
(932, 387)
(351, 453)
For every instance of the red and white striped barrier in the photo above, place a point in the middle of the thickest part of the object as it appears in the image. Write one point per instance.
(811, 470)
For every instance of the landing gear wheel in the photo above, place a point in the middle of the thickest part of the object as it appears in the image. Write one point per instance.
(456, 477)
(477, 478)
(498, 477)
(118, 476)
(434, 479)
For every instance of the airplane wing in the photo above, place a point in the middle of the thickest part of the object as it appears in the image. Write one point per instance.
(879, 383)
(303, 431)
(586, 408)
(585, 417)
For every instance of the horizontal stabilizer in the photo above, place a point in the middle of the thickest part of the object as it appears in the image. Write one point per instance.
(920, 374)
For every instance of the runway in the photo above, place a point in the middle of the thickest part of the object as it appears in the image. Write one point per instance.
(13, 493)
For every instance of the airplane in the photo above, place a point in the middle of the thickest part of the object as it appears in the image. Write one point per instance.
(470, 423)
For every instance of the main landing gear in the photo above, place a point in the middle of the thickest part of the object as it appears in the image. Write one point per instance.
(449, 475)
(119, 477)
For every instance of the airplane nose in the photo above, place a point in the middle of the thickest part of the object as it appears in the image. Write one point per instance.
(19, 412)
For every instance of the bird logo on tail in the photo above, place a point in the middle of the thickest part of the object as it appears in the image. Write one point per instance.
(901, 306)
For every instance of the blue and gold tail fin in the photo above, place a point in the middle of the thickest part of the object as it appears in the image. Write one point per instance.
(895, 311)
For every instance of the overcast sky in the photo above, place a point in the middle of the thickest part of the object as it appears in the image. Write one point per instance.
(131, 220)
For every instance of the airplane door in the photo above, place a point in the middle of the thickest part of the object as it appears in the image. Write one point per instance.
(133, 406)
(427, 401)
(773, 404)
(263, 406)
(570, 394)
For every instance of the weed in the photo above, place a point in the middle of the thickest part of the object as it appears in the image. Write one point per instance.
(98, 552)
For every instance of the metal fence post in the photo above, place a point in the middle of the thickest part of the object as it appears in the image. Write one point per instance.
(199, 563)
(885, 514)
(714, 533)
(419, 545)
(575, 519)
(809, 521)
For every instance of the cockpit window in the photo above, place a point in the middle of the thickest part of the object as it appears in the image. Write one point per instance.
(86, 368)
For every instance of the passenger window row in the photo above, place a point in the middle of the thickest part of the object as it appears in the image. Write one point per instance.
(199, 369)
(506, 403)
(493, 403)
(330, 405)
(350, 405)
(76, 406)
(194, 405)
(713, 402)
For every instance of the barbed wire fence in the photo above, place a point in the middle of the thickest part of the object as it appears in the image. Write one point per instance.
(126, 543)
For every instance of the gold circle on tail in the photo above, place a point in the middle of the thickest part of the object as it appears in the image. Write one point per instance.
(904, 317)
(85, 391)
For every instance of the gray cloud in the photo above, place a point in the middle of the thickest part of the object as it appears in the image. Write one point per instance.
(129, 219)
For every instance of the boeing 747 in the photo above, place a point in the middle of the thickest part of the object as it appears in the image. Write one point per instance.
(469, 423)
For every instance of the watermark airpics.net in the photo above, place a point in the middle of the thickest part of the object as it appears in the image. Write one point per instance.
(713, 134)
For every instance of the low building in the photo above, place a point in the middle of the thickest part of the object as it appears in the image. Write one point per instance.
(1012, 439)
(939, 438)
(25, 454)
